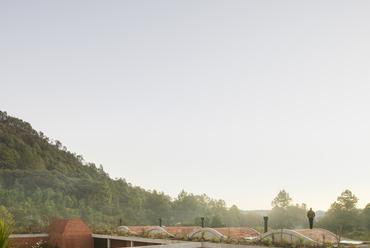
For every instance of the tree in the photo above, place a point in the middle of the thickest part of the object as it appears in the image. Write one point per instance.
(233, 216)
(282, 200)
(279, 218)
(342, 213)
(217, 221)
(365, 217)
(186, 207)
(6, 216)
(251, 220)
(347, 201)
(286, 215)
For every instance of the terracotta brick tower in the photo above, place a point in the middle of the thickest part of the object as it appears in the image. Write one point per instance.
(70, 233)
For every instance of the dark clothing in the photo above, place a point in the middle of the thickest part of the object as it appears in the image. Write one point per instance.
(311, 222)
(310, 215)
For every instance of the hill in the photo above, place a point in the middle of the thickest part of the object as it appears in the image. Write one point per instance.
(41, 180)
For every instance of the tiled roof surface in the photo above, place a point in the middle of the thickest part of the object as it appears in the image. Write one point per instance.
(58, 226)
(139, 229)
(316, 235)
(237, 232)
(181, 230)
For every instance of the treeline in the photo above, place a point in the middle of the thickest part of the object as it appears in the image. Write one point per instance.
(40, 179)
(342, 218)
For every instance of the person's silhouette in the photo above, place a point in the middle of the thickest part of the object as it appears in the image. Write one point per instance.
(310, 215)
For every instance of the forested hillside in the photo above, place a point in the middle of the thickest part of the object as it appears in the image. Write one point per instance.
(40, 179)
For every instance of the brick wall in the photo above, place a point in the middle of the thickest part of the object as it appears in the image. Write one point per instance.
(71, 233)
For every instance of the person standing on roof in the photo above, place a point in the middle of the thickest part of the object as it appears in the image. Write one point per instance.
(310, 215)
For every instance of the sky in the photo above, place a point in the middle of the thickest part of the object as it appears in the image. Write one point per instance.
(234, 99)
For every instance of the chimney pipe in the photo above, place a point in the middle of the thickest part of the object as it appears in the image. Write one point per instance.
(160, 222)
(265, 218)
(202, 218)
(120, 222)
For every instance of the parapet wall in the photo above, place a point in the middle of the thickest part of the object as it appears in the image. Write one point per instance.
(29, 240)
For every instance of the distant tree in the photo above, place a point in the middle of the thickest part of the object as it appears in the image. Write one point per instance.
(365, 217)
(58, 144)
(342, 213)
(286, 215)
(186, 207)
(232, 217)
(217, 221)
(346, 201)
(251, 220)
(6, 216)
(282, 200)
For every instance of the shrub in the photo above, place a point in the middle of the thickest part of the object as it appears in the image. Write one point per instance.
(300, 241)
(309, 243)
(327, 244)
(283, 242)
(203, 233)
(267, 241)
(215, 240)
(5, 231)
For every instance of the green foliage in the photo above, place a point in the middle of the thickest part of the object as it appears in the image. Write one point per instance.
(309, 243)
(267, 241)
(291, 217)
(252, 220)
(215, 240)
(300, 241)
(5, 231)
(203, 233)
(217, 221)
(5, 216)
(286, 215)
(283, 242)
(358, 235)
(327, 244)
(365, 217)
(352, 246)
(40, 177)
(282, 200)
(342, 213)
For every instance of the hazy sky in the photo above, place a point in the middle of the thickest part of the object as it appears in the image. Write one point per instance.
(235, 99)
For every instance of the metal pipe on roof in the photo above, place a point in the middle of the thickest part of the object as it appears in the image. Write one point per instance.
(160, 222)
(265, 218)
(203, 224)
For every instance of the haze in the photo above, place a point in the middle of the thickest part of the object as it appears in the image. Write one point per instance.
(235, 99)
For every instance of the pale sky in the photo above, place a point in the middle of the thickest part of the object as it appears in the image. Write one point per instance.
(235, 99)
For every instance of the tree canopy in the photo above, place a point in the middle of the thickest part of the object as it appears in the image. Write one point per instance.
(40, 179)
